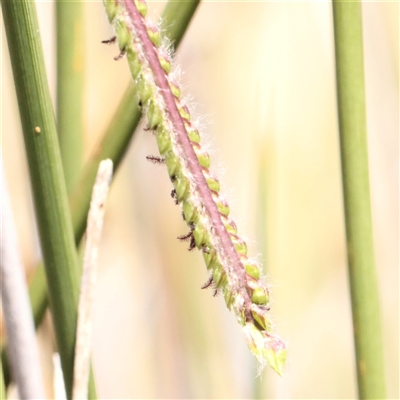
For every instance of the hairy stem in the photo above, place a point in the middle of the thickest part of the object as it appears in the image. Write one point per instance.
(195, 187)
(191, 158)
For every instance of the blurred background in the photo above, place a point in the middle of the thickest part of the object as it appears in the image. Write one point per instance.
(260, 77)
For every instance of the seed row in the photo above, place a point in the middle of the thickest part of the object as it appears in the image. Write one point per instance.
(251, 314)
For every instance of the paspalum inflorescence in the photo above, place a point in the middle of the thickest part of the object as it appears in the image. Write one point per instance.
(212, 231)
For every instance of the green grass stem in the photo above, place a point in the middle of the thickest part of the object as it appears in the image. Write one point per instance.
(176, 19)
(70, 84)
(46, 175)
(113, 145)
(354, 158)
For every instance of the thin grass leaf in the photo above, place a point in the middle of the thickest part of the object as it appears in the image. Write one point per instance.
(46, 175)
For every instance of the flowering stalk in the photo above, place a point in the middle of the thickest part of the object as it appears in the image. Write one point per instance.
(195, 188)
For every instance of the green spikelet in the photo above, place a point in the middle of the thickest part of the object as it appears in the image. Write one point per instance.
(195, 188)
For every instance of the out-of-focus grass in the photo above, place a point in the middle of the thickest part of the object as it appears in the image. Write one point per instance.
(262, 78)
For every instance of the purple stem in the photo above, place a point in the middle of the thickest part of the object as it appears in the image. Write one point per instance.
(184, 141)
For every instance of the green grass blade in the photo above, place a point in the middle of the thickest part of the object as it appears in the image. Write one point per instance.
(112, 145)
(70, 80)
(176, 19)
(354, 157)
(46, 174)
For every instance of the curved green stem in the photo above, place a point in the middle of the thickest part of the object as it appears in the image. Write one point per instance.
(354, 158)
